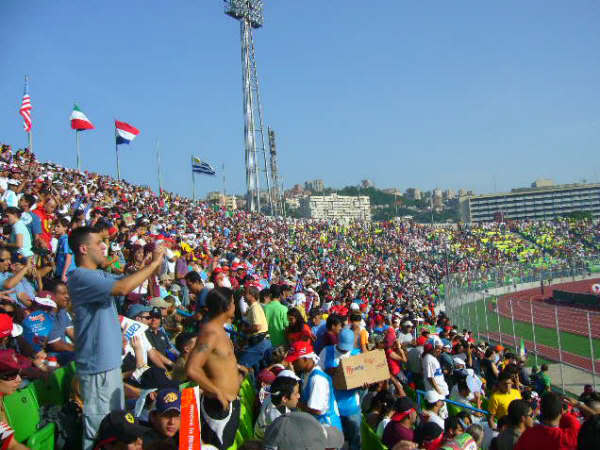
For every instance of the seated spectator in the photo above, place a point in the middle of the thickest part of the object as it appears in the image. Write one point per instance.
(157, 337)
(434, 402)
(520, 417)
(185, 343)
(284, 396)
(381, 409)
(401, 425)
(165, 418)
(38, 325)
(297, 430)
(501, 398)
(429, 436)
(119, 430)
(10, 379)
(61, 337)
(552, 433)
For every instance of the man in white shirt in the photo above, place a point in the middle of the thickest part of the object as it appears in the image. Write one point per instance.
(433, 405)
(285, 393)
(406, 336)
(432, 370)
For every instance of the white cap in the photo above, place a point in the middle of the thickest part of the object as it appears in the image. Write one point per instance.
(354, 307)
(17, 330)
(45, 302)
(288, 374)
(458, 361)
(433, 396)
(407, 323)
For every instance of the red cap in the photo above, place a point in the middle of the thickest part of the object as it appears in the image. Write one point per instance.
(8, 328)
(298, 350)
(428, 347)
(266, 376)
(421, 340)
(9, 361)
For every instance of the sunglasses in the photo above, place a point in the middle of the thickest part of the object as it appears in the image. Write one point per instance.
(10, 376)
(145, 317)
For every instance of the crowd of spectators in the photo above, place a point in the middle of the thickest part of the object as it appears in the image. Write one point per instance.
(145, 291)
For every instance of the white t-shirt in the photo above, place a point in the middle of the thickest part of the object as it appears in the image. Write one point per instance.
(432, 369)
(318, 389)
(433, 417)
(405, 337)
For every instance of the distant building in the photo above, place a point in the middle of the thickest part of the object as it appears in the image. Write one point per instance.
(292, 202)
(537, 203)
(542, 182)
(336, 207)
(229, 202)
(297, 190)
(449, 194)
(413, 193)
(315, 185)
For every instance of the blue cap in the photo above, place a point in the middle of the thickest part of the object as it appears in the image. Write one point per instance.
(346, 340)
(137, 309)
(167, 399)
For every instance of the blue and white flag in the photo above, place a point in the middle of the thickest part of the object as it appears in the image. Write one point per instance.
(199, 166)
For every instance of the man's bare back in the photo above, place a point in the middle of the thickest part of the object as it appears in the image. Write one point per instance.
(213, 365)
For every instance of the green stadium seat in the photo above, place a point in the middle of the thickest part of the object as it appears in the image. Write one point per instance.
(23, 414)
(42, 439)
(52, 390)
(246, 426)
(370, 441)
(453, 409)
(187, 384)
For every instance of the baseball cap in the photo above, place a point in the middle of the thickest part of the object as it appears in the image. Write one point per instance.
(159, 303)
(428, 347)
(458, 361)
(8, 327)
(45, 302)
(402, 406)
(120, 426)
(421, 340)
(408, 323)
(299, 349)
(137, 309)
(283, 433)
(266, 376)
(10, 361)
(168, 399)
(346, 340)
(433, 396)
(288, 374)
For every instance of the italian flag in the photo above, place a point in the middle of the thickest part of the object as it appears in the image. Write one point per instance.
(79, 120)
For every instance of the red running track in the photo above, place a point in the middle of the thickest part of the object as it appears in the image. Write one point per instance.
(572, 320)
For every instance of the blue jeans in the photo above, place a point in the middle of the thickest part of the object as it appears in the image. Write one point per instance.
(351, 427)
(254, 357)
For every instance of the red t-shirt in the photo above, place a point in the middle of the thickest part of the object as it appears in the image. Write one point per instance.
(303, 335)
(45, 220)
(563, 437)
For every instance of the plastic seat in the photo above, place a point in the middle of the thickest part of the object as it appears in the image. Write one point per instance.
(370, 440)
(453, 409)
(246, 426)
(51, 391)
(23, 413)
(42, 439)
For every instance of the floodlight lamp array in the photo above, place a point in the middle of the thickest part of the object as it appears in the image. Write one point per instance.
(252, 10)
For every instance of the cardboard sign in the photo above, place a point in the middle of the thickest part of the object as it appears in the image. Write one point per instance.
(355, 371)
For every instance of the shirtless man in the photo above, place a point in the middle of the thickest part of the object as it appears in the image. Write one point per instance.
(212, 364)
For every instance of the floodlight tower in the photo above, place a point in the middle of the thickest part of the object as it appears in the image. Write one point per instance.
(250, 15)
(277, 199)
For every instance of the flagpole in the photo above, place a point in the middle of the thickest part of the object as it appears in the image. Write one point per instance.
(29, 135)
(77, 146)
(193, 179)
(158, 161)
(223, 180)
(117, 152)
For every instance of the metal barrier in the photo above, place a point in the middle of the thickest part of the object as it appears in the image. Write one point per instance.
(451, 402)
(492, 305)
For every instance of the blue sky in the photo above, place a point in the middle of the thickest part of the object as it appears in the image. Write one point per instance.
(447, 94)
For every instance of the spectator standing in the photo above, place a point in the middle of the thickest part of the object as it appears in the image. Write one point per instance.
(65, 263)
(432, 370)
(501, 398)
(520, 416)
(552, 433)
(98, 338)
(543, 382)
(259, 343)
(20, 239)
(277, 317)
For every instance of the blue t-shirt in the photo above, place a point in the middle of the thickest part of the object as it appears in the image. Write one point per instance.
(62, 250)
(21, 228)
(62, 322)
(37, 327)
(98, 337)
(24, 286)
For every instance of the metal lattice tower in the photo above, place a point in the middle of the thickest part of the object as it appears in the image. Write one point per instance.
(276, 192)
(250, 15)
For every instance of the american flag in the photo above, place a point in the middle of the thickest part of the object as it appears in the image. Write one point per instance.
(25, 110)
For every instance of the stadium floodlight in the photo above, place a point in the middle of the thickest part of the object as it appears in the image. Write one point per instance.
(251, 10)
(250, 15)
